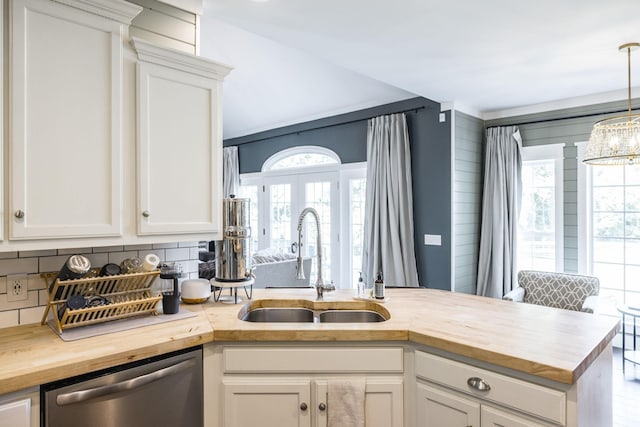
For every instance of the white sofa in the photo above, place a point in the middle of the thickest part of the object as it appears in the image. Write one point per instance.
(278, 270)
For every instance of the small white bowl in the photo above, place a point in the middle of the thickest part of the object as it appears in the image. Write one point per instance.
(195, 291)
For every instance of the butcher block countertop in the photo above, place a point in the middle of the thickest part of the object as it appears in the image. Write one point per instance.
(549, 343)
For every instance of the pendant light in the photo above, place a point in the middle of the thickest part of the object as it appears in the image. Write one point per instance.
(616, 140)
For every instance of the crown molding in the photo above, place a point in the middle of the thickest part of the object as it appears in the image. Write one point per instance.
(176, 59)
(117, 10)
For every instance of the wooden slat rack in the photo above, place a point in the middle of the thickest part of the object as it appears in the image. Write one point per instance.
(127, 295)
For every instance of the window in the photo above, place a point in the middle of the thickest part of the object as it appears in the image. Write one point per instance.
(301, 177)
(540, 242)
(611, 225)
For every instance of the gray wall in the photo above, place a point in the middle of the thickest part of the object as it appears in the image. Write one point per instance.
(564, 126)
(347, 135)
(467, 193)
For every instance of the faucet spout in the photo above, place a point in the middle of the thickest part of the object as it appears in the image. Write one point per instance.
(320, 286)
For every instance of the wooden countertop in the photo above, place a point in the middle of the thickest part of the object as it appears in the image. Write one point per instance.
(554, 344)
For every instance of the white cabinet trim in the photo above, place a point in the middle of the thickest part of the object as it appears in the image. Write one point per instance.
(117, 10)
(172, 58)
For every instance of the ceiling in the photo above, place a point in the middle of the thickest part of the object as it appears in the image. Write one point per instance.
(299, 60)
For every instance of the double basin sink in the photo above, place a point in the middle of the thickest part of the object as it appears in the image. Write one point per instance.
(303, 311)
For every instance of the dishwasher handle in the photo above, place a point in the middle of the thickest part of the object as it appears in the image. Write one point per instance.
(133, 383)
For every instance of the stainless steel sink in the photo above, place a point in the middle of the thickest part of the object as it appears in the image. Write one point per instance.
(306, 315)
(350, 316)
(278, 314)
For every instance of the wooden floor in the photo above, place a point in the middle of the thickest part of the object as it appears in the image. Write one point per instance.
(626, 392)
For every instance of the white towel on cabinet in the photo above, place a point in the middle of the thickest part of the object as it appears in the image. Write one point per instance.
(345, 402)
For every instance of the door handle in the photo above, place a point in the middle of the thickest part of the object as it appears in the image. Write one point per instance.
(294, 247)
(133, 383)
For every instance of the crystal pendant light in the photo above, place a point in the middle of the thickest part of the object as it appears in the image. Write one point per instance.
(616, 140)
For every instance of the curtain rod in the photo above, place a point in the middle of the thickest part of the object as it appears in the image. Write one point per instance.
(579, 116)
(408, 110)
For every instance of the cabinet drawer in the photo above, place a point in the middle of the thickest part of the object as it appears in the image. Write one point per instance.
(517, 394)
(312, 359)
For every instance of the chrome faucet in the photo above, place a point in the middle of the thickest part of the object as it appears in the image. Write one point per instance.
(320, 286)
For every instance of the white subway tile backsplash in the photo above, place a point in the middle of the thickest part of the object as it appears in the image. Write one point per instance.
(9, 319)
(31, 315)
(188, 244)
(177, 254)
(74, 251)
(18, 266)
(108, 249)
(52, 263)
(43, 297)
(164, 245)
(35, 282)
(29, 254)
(31, 301)
(137, 247)
(33, 263)
(8, 255)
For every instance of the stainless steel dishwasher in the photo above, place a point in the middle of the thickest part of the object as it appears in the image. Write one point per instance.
(161, 391)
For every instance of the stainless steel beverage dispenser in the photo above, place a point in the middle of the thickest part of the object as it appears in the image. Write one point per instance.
(233, 252)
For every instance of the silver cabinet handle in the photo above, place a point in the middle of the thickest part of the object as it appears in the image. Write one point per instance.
(303, 406)
(478, 384)
(133, 383)
(19, 214)
(146, 214)
(322, 406)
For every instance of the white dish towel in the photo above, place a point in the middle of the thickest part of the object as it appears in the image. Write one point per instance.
(345, 402)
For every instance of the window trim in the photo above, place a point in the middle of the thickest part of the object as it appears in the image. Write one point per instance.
(268, 164)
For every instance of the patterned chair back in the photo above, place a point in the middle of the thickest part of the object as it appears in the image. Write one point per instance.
(560, 290)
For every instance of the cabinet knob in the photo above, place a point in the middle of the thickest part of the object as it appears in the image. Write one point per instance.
(478, 384)
(19, 214)
(146, 214)
(303, 406)
(322, 406)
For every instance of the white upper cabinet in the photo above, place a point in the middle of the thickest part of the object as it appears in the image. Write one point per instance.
(65, 150)
(179, 142)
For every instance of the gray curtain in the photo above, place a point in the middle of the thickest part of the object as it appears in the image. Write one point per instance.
(231, 171)
(500, 210)
(388, 224)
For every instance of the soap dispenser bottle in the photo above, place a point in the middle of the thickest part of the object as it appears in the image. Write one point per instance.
(378, 289)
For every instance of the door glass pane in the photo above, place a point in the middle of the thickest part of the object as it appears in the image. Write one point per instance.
(280, 216)
(357, 193)
(537, 225)
(251, 192)
(318, 196)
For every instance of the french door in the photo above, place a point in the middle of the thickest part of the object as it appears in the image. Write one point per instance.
(286, 196)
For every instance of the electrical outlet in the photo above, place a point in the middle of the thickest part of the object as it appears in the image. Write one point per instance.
(17, 287)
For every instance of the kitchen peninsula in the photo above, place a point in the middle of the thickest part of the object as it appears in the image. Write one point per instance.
(546, 366)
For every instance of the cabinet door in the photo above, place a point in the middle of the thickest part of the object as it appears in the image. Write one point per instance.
(179, 151)
(383, 402)
(65, 115)
(437, 408)
(493, 417)
(267, 402)
(16, 414)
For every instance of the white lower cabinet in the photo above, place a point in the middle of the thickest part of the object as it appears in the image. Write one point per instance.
(20, 409)
(438, 408)
(450, 393)
(283, 402)
(281, 386)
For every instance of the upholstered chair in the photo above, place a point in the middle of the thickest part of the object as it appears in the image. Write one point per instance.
(560, 290)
